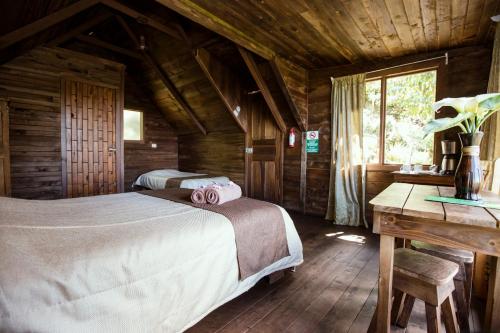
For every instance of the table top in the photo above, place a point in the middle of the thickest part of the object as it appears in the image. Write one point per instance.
(409, 200)
(421, 174)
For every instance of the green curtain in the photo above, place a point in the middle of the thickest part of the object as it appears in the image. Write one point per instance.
(347, 172)
(491, 140)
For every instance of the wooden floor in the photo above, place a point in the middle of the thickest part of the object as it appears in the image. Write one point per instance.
(334, 290)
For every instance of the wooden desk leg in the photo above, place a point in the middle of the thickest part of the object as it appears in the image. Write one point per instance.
(493, 303)
(385, 284)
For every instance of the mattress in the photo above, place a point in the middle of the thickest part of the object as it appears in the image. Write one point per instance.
(157, 179)
(118, 263)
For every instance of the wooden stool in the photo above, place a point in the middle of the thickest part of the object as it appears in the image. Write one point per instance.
(428, 278)
(463, 280)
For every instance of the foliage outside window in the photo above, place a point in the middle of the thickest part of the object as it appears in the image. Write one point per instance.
(396, 109)
(132, 128)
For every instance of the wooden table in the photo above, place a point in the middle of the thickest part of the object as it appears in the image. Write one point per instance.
(401, 211)
(424, 178)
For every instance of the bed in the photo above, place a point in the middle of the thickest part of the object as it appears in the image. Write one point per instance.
(160, 179)
(119, 263)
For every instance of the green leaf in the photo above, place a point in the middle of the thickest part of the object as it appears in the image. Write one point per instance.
(441, 124)
(489, 102)
(461, 105)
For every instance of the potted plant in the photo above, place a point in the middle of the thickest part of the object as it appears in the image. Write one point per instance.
(472, 113)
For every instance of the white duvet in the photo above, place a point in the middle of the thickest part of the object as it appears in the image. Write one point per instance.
(156, 180)
(118, 263)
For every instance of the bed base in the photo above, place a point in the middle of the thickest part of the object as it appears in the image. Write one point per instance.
(278, 275)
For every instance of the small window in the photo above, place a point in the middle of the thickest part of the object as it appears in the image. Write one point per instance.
(132, 129)
(397, 106)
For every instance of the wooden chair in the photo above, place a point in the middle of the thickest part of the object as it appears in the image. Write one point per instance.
(462, 281)
(428, 278)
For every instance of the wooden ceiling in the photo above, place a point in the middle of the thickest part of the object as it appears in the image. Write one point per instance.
(320, 33)
(312, 34)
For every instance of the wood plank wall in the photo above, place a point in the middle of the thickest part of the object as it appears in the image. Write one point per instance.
(140, 157)
(32, 84)
(292, 160)
(218, 153)
(466, 75)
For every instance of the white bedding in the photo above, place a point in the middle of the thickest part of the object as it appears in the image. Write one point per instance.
(157, 179)
(118, 263)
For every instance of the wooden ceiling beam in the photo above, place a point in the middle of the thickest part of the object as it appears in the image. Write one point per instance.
(292, 80)
(105, 45)
(201, 16)
(264, 89)
(227, 86)
(45, 22)
(143, 19)
(148, 58)
(80, 29)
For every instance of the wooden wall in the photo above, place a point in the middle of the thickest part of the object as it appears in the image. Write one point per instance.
(466, 75)
(140, 157)
(292, 161)
(218, 153)
(32, 85)
(318, 164)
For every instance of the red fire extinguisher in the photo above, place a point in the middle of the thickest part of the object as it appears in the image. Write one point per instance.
(291, 138)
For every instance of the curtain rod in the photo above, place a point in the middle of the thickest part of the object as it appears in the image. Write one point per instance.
(445, 56)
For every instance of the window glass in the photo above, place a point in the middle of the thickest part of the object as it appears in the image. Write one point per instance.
(132, 129)
(409, 101)
(371, 121)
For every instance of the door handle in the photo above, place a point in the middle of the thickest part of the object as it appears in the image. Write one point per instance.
(111, 149)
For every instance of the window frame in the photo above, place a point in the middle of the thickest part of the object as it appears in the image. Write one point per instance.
(141, 140)
(396, 71)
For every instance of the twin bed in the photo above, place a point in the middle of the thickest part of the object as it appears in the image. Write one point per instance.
(125, 262)
(171, 178)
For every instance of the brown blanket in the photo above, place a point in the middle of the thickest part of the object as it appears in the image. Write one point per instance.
(176, 181)
(259, 228)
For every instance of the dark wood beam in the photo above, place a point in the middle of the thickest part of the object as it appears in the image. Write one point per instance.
(225, 83)
(80, 29)
(148, 58)
(203, 17)
(45, 22)
(264, 89)
(143, 19)
(109, 46)
(292, 80)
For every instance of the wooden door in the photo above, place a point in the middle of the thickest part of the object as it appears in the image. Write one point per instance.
(266, 159)
(4, 149)
(91, 131)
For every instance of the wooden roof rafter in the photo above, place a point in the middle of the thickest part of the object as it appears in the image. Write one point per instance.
(228, 89)
(292, 80)
(143, 19)
(45, 22)
(151, 61)
(199, 15)
(85, 26)
(111, 47)
(76, 8)
(264, 89)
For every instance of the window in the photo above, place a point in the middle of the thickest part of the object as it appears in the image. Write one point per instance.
(396, 109)
(132, 128)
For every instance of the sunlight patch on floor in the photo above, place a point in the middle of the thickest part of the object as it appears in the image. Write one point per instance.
(349, 238)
